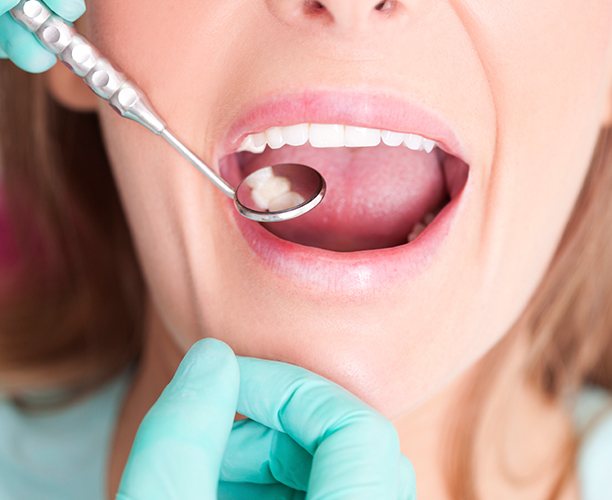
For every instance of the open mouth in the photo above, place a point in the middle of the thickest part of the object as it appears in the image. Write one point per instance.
(384, 187)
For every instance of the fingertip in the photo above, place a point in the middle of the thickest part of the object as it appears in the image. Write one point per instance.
(6, 5)
(37, 60)
(70, 10)
(210, 358)
(212, 347)
(22, 48)
(77, 10)
(213, 351)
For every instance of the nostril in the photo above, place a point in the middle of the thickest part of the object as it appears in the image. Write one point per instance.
(313, 6)
(316, 9)
(385, 5)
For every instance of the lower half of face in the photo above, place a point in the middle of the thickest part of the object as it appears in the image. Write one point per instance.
(454, 138)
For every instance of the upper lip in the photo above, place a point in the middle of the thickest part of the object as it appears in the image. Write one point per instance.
(365, 109)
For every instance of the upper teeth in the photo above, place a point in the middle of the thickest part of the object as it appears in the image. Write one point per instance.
(332, 136)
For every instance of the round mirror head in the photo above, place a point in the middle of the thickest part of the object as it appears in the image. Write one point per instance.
(279, 193)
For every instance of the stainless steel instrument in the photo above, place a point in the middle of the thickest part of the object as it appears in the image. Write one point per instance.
(111, 85)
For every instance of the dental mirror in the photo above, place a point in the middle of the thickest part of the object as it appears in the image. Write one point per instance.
(281, 192)
(270, 194)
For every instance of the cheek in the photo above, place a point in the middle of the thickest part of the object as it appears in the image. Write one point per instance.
(547, 66)
(159, 49)
(146, 183)
(172, 51)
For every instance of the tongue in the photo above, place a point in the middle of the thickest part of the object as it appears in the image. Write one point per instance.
(374, 195)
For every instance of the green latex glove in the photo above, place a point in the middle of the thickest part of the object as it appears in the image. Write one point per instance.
(305, 437)
(19, 45)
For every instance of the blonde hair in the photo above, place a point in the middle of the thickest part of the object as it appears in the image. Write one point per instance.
(74, 314)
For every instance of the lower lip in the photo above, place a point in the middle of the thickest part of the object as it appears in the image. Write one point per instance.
(348, 274)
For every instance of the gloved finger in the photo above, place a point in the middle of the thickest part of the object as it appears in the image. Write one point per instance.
(355, 449)
(407, 489)
(3, 54)
(70, 10)
(257, 454)
(242, 491)
(180, 443)
(6, 5)
(22, 48)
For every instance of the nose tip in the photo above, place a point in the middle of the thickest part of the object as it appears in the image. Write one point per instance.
(343, 14)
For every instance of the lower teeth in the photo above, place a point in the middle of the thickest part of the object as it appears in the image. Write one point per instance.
(416, 230)
(420, 226)
(271, 192)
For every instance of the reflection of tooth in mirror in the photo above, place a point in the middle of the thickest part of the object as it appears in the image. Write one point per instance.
(279, 192)
(285, 201)
(267, 188)
(261, 202)
(259, 177)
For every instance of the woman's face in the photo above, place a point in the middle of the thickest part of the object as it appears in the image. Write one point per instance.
(517, 90)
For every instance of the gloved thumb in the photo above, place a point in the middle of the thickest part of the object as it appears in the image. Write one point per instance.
(180, 444)
(70, 10)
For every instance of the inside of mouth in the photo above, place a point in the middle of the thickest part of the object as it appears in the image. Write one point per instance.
(377, 197)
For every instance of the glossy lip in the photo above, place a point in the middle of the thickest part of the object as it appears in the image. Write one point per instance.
(349, 274)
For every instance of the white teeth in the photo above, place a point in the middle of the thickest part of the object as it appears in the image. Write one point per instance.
(361, 137)
(428, 217)
(273, 187)
(414, 142)
(271, 192)
(392, 138)
(258, 140)
(326, 135)
(416, 230)
(274, 137)
(296, 135)
(285, 201)
(259, 177)
(254, 143)
(260, 200)
(268, 190)
(421, 225)
(428, 145)
(247, 145)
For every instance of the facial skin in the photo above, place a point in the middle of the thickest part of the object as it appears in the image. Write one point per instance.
(525, 85)
(514, 80)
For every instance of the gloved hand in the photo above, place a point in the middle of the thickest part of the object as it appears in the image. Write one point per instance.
(19, 45)
(305, 437)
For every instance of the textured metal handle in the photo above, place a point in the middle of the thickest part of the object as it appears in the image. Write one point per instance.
(110, 84)
(82, 58)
